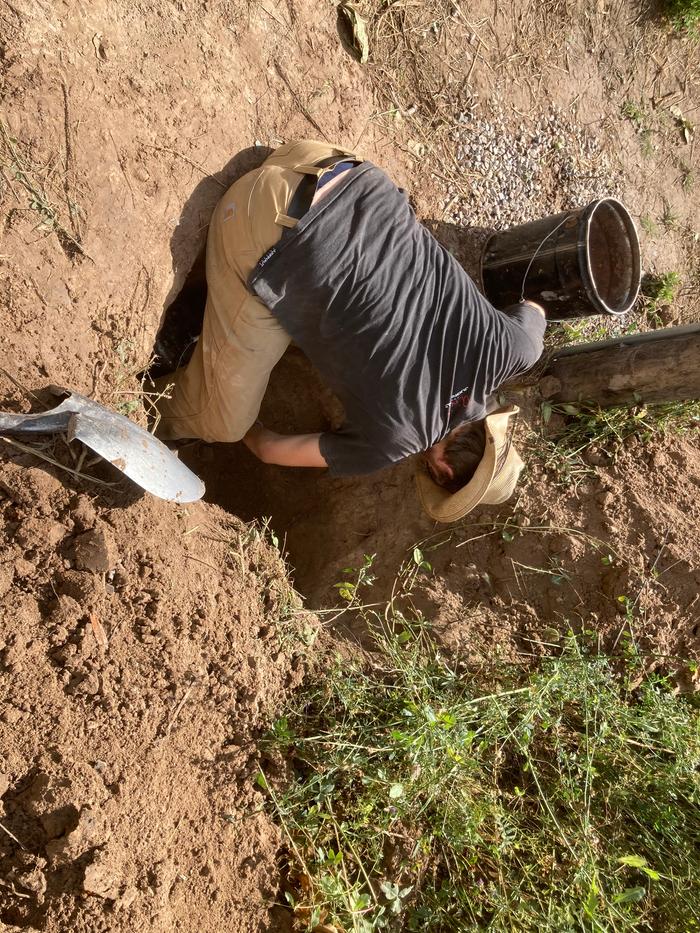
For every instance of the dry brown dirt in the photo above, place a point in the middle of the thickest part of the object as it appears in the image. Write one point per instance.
(141, 652)
(144, 646)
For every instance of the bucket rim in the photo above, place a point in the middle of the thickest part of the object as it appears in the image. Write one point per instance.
(585, 257)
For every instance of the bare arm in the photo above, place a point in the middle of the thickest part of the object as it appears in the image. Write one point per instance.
(538, 308)
(295, 450)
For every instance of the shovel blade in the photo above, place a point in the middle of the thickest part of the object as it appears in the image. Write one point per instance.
(133, 450)
(128, 447)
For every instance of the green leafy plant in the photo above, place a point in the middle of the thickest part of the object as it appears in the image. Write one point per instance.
(41, 192)
(669, 218)
(428, 798)
(684, 14)
(349, 589)
(657, 292)
(647, 143)
(589, 433)
(661, 289)
(635, 112)
(649, 225)
(687, 178)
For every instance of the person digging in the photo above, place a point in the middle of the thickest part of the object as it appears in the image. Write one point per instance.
(320, 247)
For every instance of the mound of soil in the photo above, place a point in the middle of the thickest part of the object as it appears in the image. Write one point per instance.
(140, 649)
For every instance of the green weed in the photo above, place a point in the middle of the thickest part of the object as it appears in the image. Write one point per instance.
(589, 428)
(40, 192)
(608, 427)
(657, 292)
(687, 178)
(669, 219)
(640, 118)
(427, 798)
(349, 589)
(684, 14)
(583, 330)
(634, 112)
(649, 225)
(660, 290)
(647, 144)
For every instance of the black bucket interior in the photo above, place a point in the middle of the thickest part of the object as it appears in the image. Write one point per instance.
(613, 257)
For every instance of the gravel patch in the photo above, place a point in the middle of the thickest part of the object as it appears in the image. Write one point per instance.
(516, 173)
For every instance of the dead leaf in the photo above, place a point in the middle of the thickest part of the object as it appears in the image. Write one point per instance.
(686, 127)
(417, 148)
(358, 30)
(99, 632)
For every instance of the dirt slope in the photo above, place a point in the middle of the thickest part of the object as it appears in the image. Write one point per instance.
(141, 652)
(131, 120)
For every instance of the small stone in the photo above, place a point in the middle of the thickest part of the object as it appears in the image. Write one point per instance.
(6, 575)
(83, 513)
(89, 685)
(95, 551)
(606, 499)
(100, 881)
(34, 881)
(55, 533)
(596, 457)
(24, 568)
(472, 577)
(90, 832)
(126, 899)
(81, 587)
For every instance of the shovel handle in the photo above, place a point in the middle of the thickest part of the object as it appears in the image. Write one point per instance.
(50, 422)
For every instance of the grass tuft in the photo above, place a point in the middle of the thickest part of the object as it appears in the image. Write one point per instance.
(661, 290)
(590, 430)
(658, 292)
(426, 798)
(38, 186)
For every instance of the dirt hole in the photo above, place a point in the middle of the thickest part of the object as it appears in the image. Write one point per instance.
(324, 524)
(297, 503)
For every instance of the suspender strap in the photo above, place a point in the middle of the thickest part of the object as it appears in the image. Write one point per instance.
(304, 194)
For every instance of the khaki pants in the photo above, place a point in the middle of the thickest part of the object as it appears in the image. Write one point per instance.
(217, 395)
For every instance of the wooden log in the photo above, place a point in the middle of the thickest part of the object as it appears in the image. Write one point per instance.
(661, 366)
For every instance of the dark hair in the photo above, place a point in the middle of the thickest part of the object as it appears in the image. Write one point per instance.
(463, 452)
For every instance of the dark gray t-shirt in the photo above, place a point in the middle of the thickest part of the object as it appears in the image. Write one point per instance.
(392, 322)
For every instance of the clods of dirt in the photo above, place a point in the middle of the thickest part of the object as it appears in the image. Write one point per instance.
(142, 649)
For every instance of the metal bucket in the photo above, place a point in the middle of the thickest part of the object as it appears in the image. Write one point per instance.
(575, 264)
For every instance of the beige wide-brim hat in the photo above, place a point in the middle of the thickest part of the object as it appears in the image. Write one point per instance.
(493, 481)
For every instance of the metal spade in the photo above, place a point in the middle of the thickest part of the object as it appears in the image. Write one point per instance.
(128, 447)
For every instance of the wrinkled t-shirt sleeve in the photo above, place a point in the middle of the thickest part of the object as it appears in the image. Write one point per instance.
(526, 328)
(348, 454)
